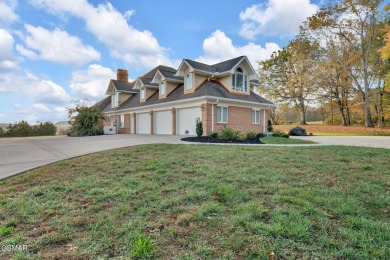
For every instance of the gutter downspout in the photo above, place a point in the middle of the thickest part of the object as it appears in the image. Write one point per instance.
(212, 115)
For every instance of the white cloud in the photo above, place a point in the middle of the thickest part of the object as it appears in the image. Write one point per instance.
(40, 107)
(218, 47)
(135, 47)
(32, 87)
(7, 59)
(32, 113)
(56, 46)
(91, 83)
(277, 17)
(7, 13)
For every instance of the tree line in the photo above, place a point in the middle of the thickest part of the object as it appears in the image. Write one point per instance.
(23, 128)
(339, 62)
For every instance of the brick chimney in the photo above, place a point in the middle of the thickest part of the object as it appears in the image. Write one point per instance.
(122, 75)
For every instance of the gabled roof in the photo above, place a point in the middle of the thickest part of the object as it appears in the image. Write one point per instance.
(170, 75)
(208, 88)
(104, 104)
(147, 78)
(218, 68)
(228, 65)
(121, 86)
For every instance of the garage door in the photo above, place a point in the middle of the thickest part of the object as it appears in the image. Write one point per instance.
(186, 120)
(143, 123)
(163, 122)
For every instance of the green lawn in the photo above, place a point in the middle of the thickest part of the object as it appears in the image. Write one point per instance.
(283, 140)
(203, 202)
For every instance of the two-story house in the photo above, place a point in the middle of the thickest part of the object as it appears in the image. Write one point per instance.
(168, 101)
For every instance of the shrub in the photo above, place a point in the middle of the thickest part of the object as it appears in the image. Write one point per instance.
(226, 134)
(259, 135)
(297, 131)
(251, 134)
(270, 127)
(239, 135)
(23, 128)
(214, 135)
(199, 127)
(278, 133)
(84, 120)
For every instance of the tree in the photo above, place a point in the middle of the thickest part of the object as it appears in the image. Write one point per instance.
(199, 127)
(288, 74)
(44, 129)
(84, 119)
(357, 23)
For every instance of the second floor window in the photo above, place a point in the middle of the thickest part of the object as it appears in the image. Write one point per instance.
(114, 99)
(189, 81)
(142, 93)
(240, 81)
(162, 88)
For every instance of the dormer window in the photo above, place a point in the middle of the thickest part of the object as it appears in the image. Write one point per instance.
(114, 99)
(162, 88)
(142, 93)
(240, 81)
(189, 81)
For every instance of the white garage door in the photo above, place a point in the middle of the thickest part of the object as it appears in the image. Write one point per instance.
(163, 122)
(186, 120)
(143, 123)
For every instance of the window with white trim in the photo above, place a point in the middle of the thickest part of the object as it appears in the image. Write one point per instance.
(189, 81)
(240, 81)
(162, 88)
(114, 99)
(222, 114)
(142, 93)
(122, 121)
(255, 116)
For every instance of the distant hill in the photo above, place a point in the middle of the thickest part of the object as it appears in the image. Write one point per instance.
(62, 127)
(4, 125)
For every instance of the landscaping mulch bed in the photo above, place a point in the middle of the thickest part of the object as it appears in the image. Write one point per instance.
(208, 139)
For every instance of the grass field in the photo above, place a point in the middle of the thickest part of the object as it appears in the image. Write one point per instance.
(282, 140)
(320, 129)
(203, 202)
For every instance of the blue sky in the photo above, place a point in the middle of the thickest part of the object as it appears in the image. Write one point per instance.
(56, 51)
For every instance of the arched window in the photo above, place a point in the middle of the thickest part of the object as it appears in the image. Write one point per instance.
(240, 81)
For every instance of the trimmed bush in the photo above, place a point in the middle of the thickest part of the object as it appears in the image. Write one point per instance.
(251, 134)
(260, 135)
(278, 133)
(240, 135)
(227, 134)
(297, 131)
(269, 126)
(199, 127)
(214, 135)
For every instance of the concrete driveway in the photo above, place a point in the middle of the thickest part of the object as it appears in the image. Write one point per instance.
(367, 141)
(21, 154)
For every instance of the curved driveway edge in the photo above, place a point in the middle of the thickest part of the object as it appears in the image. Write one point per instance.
(18, 155)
